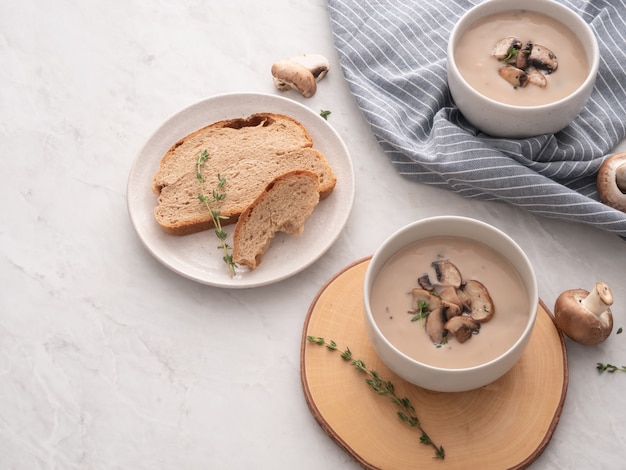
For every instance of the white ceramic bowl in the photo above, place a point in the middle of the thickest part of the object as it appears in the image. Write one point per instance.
(504, 120)
(438, 378)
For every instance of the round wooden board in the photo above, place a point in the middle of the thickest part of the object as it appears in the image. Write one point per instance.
(504, 425)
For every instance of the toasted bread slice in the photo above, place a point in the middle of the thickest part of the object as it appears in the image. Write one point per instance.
(283, 206)
(248, 153)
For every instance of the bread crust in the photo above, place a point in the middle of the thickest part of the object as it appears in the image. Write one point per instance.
(283, 206)
(248, 152)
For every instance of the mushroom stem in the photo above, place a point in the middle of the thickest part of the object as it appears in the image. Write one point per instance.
(599, 299)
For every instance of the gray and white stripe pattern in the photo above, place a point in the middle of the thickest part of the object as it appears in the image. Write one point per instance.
(393, 55)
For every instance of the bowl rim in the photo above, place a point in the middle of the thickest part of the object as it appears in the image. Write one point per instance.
(376, 258)
(572, 15)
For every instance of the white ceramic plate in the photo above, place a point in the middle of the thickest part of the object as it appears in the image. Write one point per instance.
(197, 256)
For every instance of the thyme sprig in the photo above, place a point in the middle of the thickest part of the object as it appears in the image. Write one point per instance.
(406, 411)
(216, 196)
(610, 368)
(421, 312)
(513, 51)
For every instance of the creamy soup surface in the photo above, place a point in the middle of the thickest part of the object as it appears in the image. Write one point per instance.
(391, 301)
(480, 69)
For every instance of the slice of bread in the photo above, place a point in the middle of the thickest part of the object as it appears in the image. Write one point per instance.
(248, 153)
(283, 206)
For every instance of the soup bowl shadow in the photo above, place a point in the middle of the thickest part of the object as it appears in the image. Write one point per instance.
(452, 378)
(511, 121)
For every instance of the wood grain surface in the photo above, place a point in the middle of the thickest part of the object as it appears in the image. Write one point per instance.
(504, 425)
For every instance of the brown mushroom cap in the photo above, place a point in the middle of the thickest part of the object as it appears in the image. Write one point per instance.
(432, 301)
(536, 77)
(462, 327)
(542, 58)
(435, 325)
(301, 73)
(449, 294)
(289, 74)
(611, 181)
(447, 273)
(481, 305)
(577, 322)
(513, 75)
(506, 47)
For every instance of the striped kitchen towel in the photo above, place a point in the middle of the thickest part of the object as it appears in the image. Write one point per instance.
(393, 55)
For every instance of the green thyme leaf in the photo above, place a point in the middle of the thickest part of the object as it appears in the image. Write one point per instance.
(511, 54)
(406, 413)
(610, 368)
(216, 196)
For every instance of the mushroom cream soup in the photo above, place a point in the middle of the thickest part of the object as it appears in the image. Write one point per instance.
(473, 56)
(392, 301)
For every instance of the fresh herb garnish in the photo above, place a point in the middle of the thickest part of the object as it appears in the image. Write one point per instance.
(384, 388)
(610, 368)
(421, 311)
(324, 113)
(216, 196)
(511, 54)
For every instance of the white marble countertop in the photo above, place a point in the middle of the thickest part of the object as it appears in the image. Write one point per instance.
(110, 360)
